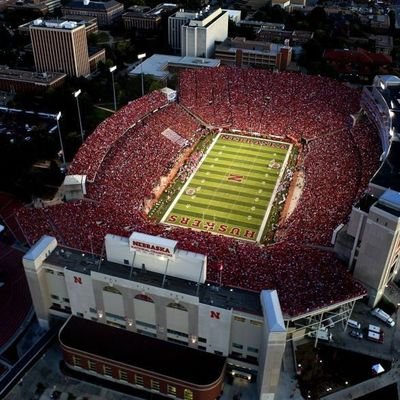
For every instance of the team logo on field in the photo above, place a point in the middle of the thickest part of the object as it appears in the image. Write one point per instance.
(235, 178)
(190, 191)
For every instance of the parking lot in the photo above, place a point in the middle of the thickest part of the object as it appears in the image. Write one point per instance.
(362, 314)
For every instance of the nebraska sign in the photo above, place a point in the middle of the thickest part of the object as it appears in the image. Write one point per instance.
(151, 248)
(152, 244)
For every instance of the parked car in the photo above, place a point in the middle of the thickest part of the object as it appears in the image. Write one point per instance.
(380, 314)
(356, 334)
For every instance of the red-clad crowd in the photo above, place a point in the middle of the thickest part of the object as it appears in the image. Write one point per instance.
(337, 163)
(280, 104)
(92, 153)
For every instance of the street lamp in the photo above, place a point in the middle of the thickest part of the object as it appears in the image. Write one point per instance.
(140, 57)
(58, 116)
(112, 69)
(76, 95)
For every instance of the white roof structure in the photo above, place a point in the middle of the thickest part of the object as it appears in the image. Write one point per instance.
(74, 180)
(157, 65)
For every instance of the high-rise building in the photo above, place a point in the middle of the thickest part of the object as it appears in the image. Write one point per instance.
(195, 33)
(60, 46)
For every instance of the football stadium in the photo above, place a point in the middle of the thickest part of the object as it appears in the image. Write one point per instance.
(151, 153)
(231, 216)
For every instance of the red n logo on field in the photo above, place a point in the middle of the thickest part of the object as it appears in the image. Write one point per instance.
(215, 314)
(78, 279)
(235, 178)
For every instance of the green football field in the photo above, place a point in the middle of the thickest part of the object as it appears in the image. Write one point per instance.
(232, 191)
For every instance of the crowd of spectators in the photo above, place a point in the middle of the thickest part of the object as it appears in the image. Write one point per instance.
(92, 153)
(337, 160)
(279, 104)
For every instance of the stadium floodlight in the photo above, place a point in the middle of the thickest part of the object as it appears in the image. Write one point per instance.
(76, 95)
(141, 57)
(58, 116)
(112, 69)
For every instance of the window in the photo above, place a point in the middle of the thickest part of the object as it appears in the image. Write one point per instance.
(256, 323)
(141, 331)
(92, 366)
(123, 375)
(177, 333)
(252, 349)
(218, 353)
(49, 271)
(107, 370)
(145, 324)
(202, 348)
(187, 394)
(171, 390)
(202, 340)
(155, 385)
(65, 299)
(236, 354)
(77, 361)
(93, 310)
(139, 380)
(112, 289)
(54, 296)
(60, 273)
(111, 315)
(126, 262)
(177, 306)
(239, 319)
(79, 314)
(237, 346)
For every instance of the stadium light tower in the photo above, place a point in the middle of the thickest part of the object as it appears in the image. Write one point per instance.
(112, 69)
(76, 95)
(141, 57)
(58, 116)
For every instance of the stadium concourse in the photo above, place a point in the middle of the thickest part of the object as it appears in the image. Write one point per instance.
(127, 154)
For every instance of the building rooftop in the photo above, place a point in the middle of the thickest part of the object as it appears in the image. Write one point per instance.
(157, 65)
(55, 24)
(29, 76)
(92, 5)
(140, 351)
(208, 293)
(251, 46)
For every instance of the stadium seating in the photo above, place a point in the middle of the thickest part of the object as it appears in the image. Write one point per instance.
(128, 153)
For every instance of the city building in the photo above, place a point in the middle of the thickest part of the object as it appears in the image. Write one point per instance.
(90, 24)
(296, 38)
(153, 298)
(61, 46)
(242, 52)
(106, 12)
(370, 242)
(36, 6)
(161, 66)
(195, 33)
(144, 18)
(19, 81)
(200, 33)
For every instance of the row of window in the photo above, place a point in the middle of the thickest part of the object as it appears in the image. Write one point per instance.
(252, 322)
(123, 376)
(249, 348)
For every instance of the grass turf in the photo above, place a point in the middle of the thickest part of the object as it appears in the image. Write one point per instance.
(233, 189)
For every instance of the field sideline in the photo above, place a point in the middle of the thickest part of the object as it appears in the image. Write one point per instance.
(232, 191)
